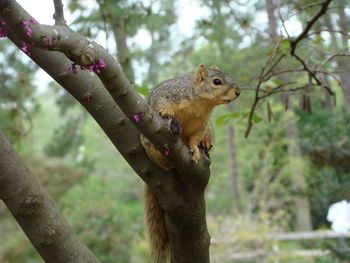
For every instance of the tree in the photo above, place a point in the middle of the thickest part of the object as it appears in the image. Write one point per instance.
(123, 114)
(301, 202)
(104, 95)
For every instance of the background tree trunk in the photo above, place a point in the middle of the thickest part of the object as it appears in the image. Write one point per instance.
(232, 168)
(301, 202)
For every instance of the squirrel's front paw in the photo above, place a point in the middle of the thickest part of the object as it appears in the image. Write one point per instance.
(166, 114)
(206, 146)
(195, 153)
(175, 127)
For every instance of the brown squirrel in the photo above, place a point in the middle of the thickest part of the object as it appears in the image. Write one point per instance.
(188, 100)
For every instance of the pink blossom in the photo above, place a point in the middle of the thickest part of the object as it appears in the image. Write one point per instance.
(136, 117)
(26, 23)
(96, 66)
(26, 49)
(49, 42)
(101, 63)
(73, 69)
(167, 152)
(3, 30)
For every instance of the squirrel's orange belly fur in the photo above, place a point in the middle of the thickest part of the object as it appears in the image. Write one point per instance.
(193, 117)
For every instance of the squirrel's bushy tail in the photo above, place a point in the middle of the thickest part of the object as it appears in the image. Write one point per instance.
(155, 224)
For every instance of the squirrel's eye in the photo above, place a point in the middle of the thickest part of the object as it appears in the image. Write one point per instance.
(217, 82)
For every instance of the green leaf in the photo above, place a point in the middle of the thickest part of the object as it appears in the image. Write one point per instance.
(256, 118)
(223, 119)
(143, 89)
(243, 78)
(285, 43)
(278, 82)
(319, 37)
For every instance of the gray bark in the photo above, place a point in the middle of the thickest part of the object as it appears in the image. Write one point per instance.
(181, 192)
(36, 212)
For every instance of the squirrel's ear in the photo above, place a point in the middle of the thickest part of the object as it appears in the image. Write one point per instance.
(215, 67)
(201, 73)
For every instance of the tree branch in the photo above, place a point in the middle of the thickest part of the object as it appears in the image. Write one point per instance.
(180, 193)
(59, 14)
(87, 53)
(309, 24)
(329, 31)
(302, 35)
(36, 212)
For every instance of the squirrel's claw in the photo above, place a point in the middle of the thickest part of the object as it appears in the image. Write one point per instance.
(166, 114)
(206, 146)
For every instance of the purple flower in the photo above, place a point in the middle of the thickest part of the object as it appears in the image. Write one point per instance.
(26, 49)
(26, 23)
(49, 42)
(96, 66)
(3, 30)
(136, 117)
(73, 69)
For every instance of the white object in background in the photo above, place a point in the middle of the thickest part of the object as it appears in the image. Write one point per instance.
(339, 215)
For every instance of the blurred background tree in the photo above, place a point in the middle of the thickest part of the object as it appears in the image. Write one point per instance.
(283, 177)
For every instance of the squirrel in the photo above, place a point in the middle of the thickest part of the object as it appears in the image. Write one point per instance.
(188, 100)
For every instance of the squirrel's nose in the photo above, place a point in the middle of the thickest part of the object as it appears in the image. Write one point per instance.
(237, 91)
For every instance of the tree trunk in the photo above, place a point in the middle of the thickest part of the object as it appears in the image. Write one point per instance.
(233, 172)
(272, 21)
(301, 202)
(180, 193)
(152, 57)
(342, 63)
(123, 52)
(188, 243)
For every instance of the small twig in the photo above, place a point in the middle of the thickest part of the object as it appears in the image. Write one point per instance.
(309, 24)
(59, 14)
(272, 67)
(255, 103)
(302, 35)
(284, 25)
(329, 31)
(286, 90)
(339, 54)
(275, 73)
(303, 8)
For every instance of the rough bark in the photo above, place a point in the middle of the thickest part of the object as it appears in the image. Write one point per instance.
(36, 212)
(180, 193)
